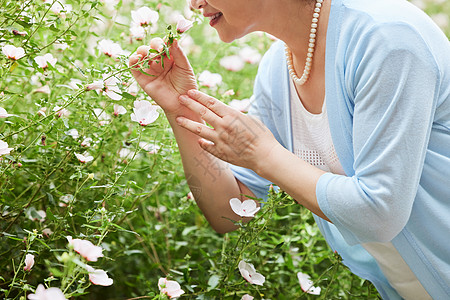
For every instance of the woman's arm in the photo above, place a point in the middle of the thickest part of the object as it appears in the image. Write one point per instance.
(244, 141)
(210, 179)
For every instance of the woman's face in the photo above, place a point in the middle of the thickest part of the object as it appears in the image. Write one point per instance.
(231, 18)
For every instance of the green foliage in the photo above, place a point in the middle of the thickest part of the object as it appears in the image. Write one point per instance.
(131, 201)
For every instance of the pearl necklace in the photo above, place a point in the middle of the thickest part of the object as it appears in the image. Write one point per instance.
(311, 46)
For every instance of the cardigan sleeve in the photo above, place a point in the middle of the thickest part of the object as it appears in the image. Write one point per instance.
(392, 82)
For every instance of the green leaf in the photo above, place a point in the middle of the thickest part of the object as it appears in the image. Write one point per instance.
(213, 282)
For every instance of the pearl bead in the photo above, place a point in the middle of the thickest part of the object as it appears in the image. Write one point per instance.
(311, 48)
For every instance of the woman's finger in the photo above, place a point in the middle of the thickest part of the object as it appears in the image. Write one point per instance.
(197, 128)
(212, 103)
(204, 112)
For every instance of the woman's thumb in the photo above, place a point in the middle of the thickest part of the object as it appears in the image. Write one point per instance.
(179, 57)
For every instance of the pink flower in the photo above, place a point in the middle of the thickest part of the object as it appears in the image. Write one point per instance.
(45, 60)
(170, 288)
(307, 285)
(84, 159)
(3, 113)
(232, 63)
(4, 148)
(144, 16)
(247, 297)
(208, 79)
(110, 48)
(29, 262)
(144, 112)
(98, 277)
(86, 249)
(249, 273)
(248, 208)
(119, 110)
(47, 294)
(12, 52)
(184, 25)
(111, 88)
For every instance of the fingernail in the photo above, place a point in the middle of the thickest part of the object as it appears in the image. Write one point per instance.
(183, 99)
(178, 120)
(192, 93)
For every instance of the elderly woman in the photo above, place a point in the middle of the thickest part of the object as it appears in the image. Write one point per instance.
(351, 117)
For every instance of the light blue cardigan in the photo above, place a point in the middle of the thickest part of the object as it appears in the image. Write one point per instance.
(388, 102)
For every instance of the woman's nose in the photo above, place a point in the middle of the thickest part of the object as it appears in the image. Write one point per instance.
(197, 4)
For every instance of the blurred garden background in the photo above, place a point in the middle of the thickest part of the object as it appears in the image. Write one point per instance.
(94, 205)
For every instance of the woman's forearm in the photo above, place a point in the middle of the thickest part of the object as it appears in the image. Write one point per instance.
(210, 179)
(294, 176)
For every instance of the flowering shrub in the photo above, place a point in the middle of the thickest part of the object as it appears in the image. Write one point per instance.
(93, 200)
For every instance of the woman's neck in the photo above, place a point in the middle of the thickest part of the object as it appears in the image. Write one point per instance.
(290, 21)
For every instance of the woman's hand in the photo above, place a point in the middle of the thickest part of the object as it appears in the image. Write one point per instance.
(163, 84)
(235, 137)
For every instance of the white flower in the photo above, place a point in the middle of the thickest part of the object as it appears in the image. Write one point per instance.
(170, 288)
(307, 285)
(137, 32)
(144, 16)
(86, 249)
(250, 55)
(43, 89)
(61, 112)
(73, 133)
(97, 85)
(184, 25)
(110, 48)
(98, 277)
(144, 112)
(247, 297)
(47, 294)
(84, 159)
(241, 105)
(45, 60)
(60, 46)
(86, 142)
(101, 115)
(4, 148)
(13, 52)
(232, 63)
(119, 110)
(111, 88)
(149, 147)
(248, 208)
(250, 274)
(75, 84)
(29, 262)
(208, 79)
(3, 113)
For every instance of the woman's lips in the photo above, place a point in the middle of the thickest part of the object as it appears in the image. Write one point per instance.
(215, 18)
